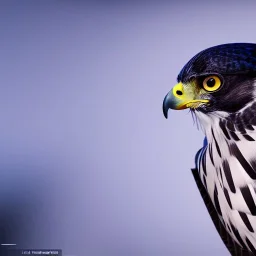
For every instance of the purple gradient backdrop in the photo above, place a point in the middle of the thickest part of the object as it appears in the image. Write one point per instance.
(87, 161)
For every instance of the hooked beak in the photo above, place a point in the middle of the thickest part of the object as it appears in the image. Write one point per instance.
(181, 97)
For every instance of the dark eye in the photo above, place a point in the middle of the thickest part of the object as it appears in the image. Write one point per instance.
(211, 83)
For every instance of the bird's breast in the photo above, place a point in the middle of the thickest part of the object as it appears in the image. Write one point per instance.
(228, 171)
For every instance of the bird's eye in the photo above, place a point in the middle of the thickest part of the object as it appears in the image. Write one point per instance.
(211, 83)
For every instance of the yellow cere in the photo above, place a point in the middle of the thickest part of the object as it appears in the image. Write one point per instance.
(187, 94)
(178, 88)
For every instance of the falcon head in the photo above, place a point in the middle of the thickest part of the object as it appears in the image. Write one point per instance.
(220, 78)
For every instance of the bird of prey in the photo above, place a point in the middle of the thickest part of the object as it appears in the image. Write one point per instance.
(219, 86)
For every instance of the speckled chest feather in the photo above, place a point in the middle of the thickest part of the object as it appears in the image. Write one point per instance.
(227, 168)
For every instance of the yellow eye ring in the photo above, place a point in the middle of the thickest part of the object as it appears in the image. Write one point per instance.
(211, 83)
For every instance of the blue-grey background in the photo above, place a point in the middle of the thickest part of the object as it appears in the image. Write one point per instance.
(88, 162)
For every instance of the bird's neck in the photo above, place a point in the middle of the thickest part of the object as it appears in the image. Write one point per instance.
(230, 127)
(211, 122)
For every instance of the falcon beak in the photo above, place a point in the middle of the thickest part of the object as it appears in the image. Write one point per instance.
(181, 97)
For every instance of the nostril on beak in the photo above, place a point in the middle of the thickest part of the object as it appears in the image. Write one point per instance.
(179, 92)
